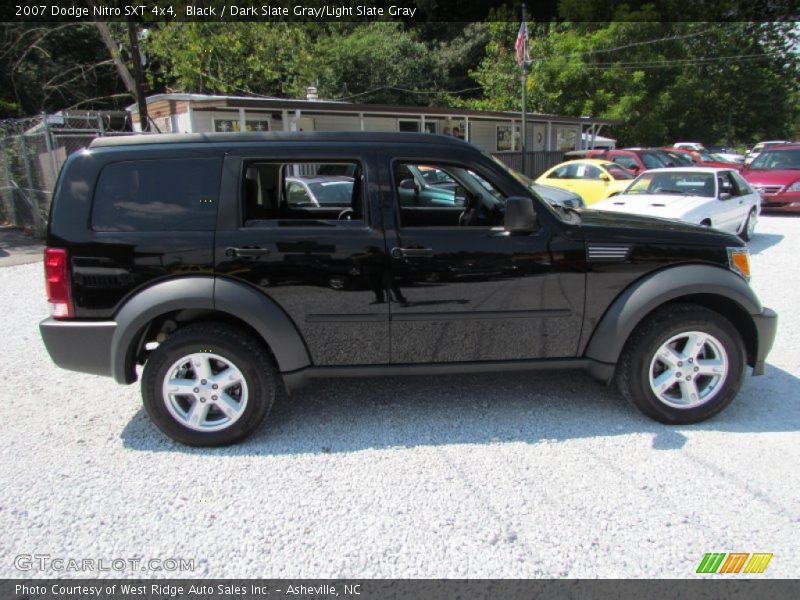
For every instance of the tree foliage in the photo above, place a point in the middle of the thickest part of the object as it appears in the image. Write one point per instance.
(663, 81)
(52, 66)
(726, 82)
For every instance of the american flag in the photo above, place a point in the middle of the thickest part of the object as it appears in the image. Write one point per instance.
(522, 44)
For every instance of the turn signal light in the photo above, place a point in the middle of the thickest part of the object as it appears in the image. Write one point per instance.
(56, 273)
(739, 261)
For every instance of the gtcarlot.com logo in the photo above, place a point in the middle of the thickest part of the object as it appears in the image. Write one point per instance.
(733, 563)
(47, 562)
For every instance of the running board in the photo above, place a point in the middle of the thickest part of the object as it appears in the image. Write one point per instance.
(296, 379)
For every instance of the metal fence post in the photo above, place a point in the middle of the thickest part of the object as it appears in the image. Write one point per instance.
(7, 187)
(49, 145)
(29, 192)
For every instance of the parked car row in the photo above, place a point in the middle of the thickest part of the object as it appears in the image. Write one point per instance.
(707, 196)
(711, 193)
(774, 175)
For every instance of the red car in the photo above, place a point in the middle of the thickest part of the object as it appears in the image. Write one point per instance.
(775, 174)
(703, 158)
(635, 160)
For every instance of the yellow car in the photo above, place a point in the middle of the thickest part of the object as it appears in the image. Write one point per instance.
(592, 179)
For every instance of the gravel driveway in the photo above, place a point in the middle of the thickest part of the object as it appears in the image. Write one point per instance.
(547, 475)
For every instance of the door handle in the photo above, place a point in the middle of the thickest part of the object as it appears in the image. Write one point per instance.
(411, 252)
(246, 252)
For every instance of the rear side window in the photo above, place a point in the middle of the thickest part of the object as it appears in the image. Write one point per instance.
(157, 195)
(303, 194)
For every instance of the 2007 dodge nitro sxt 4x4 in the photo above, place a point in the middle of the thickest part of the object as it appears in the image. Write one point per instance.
(226, 263)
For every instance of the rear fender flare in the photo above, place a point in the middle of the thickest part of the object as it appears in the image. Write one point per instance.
(208, 293)
(136, 313)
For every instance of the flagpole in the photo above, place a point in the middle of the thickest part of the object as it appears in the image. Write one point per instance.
(522, 78)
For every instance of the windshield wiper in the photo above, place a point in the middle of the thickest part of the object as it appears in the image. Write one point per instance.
(663, 191)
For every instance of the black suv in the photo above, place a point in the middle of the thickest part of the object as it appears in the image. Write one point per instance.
(202, 258)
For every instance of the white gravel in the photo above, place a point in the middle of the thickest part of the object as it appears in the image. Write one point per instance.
(487, 476)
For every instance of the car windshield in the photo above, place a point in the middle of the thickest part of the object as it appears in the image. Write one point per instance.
(333, 193)
(556, 210)
(678, 183)
(436, 177)
(777, 159)
(651, 161)
(617, 172)
(679, 158)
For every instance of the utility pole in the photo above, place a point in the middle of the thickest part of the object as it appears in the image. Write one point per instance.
(523, 76)
(144, 119)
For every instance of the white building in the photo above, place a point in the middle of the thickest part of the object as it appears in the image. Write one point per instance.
(493, 131)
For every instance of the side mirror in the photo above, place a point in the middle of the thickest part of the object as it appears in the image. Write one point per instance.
(633, 168)
(520, 216)
(724, 195)
(604, 177)
(408, 184)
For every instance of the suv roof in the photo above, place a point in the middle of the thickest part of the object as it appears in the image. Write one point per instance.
(277, 136)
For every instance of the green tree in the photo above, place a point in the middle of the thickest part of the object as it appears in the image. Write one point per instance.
(662, 81)
(52, 66)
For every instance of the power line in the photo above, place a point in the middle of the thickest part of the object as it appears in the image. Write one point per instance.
(679, 61)
(407, 90)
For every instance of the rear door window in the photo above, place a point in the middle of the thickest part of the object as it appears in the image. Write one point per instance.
(303, 194)
(157, 195)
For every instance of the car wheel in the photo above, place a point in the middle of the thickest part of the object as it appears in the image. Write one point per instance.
(749, 228)
(209, 384)
(684, 364)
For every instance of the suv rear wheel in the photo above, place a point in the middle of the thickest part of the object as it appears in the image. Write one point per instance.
(684, 364)
(209, 384)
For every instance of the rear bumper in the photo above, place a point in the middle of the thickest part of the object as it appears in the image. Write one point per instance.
(766, 325)
(83, 346)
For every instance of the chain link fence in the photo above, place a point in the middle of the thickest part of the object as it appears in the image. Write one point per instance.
(32, 151)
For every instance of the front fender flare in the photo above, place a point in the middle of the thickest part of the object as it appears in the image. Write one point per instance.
(655, 289)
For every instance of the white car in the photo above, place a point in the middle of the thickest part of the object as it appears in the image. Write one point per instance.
(759, 148)
(696, 146)
(713, 197)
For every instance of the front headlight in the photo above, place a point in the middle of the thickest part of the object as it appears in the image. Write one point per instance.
(739, 261)
(795, 187)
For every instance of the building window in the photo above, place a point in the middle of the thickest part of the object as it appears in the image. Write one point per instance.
(505, 138)
(430, 126)
(566, 138)
(408, 125)
(232, 125)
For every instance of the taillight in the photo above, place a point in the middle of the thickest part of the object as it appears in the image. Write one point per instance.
(56, 273)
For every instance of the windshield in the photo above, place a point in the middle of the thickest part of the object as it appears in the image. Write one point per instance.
(679, 158)
(678, 183)
(651, 161)
(777, 159)
(555, 210)
(617, 172)
(338, 193)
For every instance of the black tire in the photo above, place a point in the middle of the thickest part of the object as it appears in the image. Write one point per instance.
(234, 344)
(633, 369)
(745, 234)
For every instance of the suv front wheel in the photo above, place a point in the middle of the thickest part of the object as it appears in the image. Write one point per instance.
(683, 364)
(208, 384)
